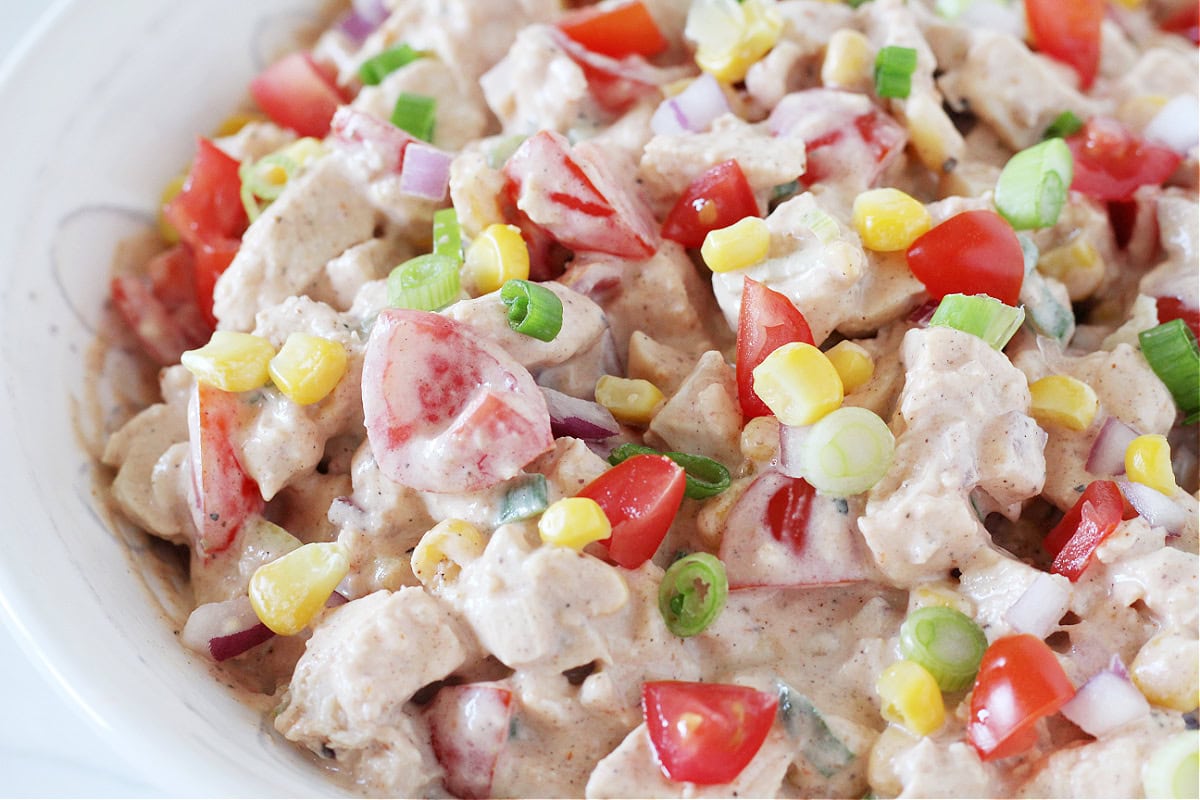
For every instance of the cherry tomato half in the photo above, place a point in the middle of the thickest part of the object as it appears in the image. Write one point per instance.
(209, 206)
(717, 199)
(1170, 308)
(767, 320)
(1068, 32)
(617, 31)
(975, 252)
(640, 496)
(706, 733)
(1090, 521)
(298, 93)
(1111, 163)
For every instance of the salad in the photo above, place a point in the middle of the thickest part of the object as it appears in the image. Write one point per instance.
(694, 398)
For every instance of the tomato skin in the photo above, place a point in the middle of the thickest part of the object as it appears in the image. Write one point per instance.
(1019, 681)
(1084, 527)
(209, 206)
(719, 197)
(975, 252)
(1111, 163)
(296, 93)
(160, 308)
(874, 136)
(730, 724)
(468, 726)
(766, 320)
(1185, 22)
(640, 496)
(1068, 32)
(1170, 308)
(617, 31)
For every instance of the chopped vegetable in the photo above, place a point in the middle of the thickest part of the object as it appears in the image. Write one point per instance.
(980, 315)
(1068, 32)
(888, 219)
(1173, 354)
(640, 497)
(533, 309)
(798, 383)
(1064, 401)
(692, 594)
(1111, 163)
(619, 30)
(1084, 527)
(376, 68)
(719, 197)
(849, 61)
(499, 254)
(766, 320)
(307, 368)
(416, 114)
(731, 35)
(975, 252)
(447, 235)
(633, 401)
(424, 283)
(847, 452)
(289, 592)
(824, 751)
(1032, 188)
(705, 477)
(910, 697)
(1173, 769)
(298, 93)
(1063, 125)
(444, 550)
(853, 363)
(1106, 702)
(1148, 462)
(946, 642)
(525, 498)
(574, 522)
(231, 361)
(738, 246)
(894, 67)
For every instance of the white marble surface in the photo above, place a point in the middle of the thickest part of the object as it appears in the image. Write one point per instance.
(48, 748)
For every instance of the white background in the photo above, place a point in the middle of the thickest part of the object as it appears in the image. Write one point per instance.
(47, 747)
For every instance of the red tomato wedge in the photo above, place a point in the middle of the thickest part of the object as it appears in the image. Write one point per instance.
(1111, 163)
(225, 496)
(1068, 32)
(448, 410)
(616, 31)
(160, 308)
(1085, 526)
(1019, 682)
(212, 258)
(640, 496)
(570, 193)
(719, 197)
(468, 728)
(706, 733)
(766, 321)
(297, 93)
(1170, 308)
(975, 252)
(209, 206)
(767, 541)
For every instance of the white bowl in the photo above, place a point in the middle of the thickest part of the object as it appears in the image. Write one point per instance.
(100, 111)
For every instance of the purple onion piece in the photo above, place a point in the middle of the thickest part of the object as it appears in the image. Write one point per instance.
(582, 419)
(225, 647)
(1107, 456)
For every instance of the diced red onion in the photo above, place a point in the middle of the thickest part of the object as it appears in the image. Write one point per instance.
(426, 171)
(692, 110)
(791, 449)
(1040, 607)
(1107, 456)
(382, 142)
(225, 629)
(362, 19)
(1177, 124)
(1154, 506)
(1106, 702)
(582, 419)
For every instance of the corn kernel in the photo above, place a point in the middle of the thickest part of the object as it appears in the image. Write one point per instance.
(730, 36)
(231, 361)
(932, 134)
(742, 244)
(849, 61)
(169, 193)
(798, 383)
(1148, 461)
(760, 439)
(574, 522)
(1077, 264)
(853, 363)
(910, 697)
(889, 220)
(1167, 672)
(288, 592)
(631, 400)
(444, 550)
(497, 255)
(307, 368)
(1063, 401)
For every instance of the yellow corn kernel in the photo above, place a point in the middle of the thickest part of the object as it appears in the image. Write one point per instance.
(631, 400)
(1167, 672)
(740, 245)
(574, 522)
(760, 439)
(849, 61)
(730, 36)
(798, 383)
(910, 697)
(235, 122)
(1148, 461)
(853, 363)
(444, 550)
(888, 219)
(231, 361)
(1063, 401)
(169, 193)
(307, 368)
(939, 593)
(288, 592)
(495, 256)
(303, 151)
(1077, 264)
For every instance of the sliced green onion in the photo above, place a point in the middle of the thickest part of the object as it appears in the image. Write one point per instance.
(524, 499)
(692, 593)
(375, 69)
(447, 234)
(894, 67)
(1063, 125)
(847, 451)
(532, 309)
(946, 642)
(1033, 186)
(264, 179)
(981, 315)
(1173, 354)
(1045, 313)
(424, 283)
(826, 753)
(705, 477)
(1174, 769)
(822, 225)
(415, 113)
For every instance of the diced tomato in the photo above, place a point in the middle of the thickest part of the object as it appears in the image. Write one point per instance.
(448, 410)
(1085, 526)
(1185, 22)
(640, 496)
(1019, 682)
(1068, 32)
(225, 496)
(766, 321)
(570, 194)
(352, 128)
(297, 93)
(706, 733)
(547, 257)
(468, 728)
(616, 31)
(212, 258)
(766, 539)
(1170, 308)
(719, 197)
(872, 138)
(1111, 163)
(975, 252)
(160, 307)
(209, 206)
